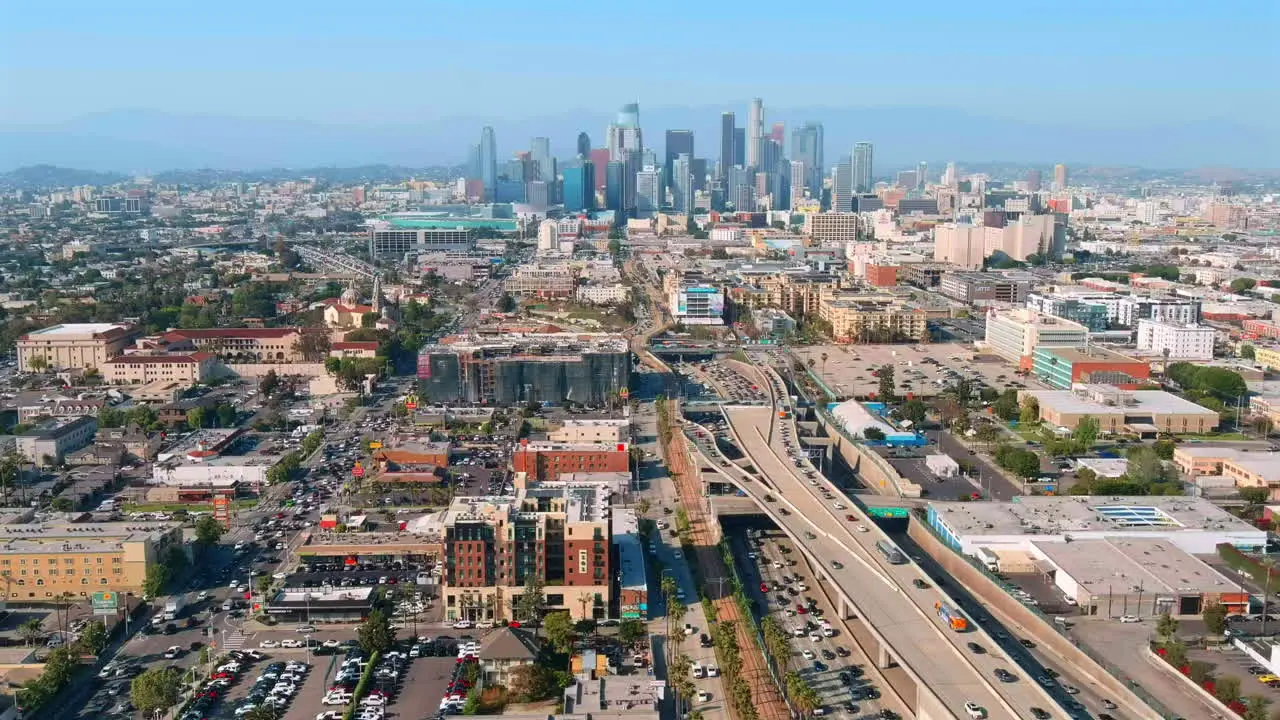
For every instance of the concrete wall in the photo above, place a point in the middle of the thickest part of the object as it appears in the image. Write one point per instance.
(999, 601)
(875, 471)
(319, 381)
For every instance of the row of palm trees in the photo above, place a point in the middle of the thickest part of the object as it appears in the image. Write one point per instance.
(802, 697)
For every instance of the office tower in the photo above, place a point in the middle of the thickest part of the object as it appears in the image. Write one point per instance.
(741, 190)
(799, 181)
(648, 191)
(922, 174)
(614, 186)
(540, 154)
(950, 178)
(842, 188)
(779, 133)
(624, 134)
(698, 166)
(584, 144)
(681, 182)
(906, 179)
(780, 184)
(600, 161)
(1059, 177)
(755, 132)
(579, 192)
(740, 146)
(538, 194)
(678, 142)
(862, 174)
(489, 163)
(806, 147)
(727, 132)
(632, 162)
(1033, 181)
(473, 162)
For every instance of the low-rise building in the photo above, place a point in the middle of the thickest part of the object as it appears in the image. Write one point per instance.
(772, 322)
(240, 345)
(596, 430)
(1144, 412)
(41, 561)
(504, 650)
(541, 280)
(1064, 367)
(543, 461)
(48, 443)
(73, 346)
(1016, 334)
(983, 289)
(1176, 340)
(139, 369)
(872, 318)
(602, 294)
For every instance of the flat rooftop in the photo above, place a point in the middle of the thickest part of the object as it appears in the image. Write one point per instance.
(1093, 353)
(65, 537)
(1135, 402)
(1122, 565)
(626, 537)
(323, 595)
(78, 329)
(1046, 515)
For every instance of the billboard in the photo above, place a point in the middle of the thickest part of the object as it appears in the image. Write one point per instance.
(105, 603)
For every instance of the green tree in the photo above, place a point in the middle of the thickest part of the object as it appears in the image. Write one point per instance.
(264, 584)
(1255, 496)
(1255, 708)
(1243, 284)
(1227, 689)
(1006, 406)
(888, 390)
(1166, 627)
(93, 639)
(375, 634)
(1247, 351)
(269, 383)
(1200, 672)
(62, 504)
(154, 580)
(1215, 618)
(1164, 449)
(31, 630)
(1086, 432)
(914, 410)
(631, 631)
(1030, 413)
(558, 629)
(874, 434)
(532, 682)
(208, 531)
(196, 418)
(156, 690)
(226, 415)
(987, 433)
(506, 303)
(533, 599)
(1175, 653)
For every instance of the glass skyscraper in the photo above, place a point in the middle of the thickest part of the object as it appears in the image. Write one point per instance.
(489, 164)
(862, 175)
(578, 192)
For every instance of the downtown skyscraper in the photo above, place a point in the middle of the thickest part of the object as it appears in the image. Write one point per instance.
(755, 133)
(584, 144)
(728, 128)
(489, 164)
(861, 169)
(807, 147)
(540, 154)
(679, 142)
(623, 136)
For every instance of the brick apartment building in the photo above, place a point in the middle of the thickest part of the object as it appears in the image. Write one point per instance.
(543, 461)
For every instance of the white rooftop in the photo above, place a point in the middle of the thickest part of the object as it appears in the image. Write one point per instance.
(76, 329)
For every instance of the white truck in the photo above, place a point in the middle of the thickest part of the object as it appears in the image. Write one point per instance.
(173, 607)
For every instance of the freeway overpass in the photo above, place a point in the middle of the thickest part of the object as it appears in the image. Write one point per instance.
(898, 621)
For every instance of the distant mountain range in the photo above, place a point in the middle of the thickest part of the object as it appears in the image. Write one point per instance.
(139, 141)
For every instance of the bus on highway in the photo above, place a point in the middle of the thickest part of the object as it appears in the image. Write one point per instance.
(951, 617)
(890, 552)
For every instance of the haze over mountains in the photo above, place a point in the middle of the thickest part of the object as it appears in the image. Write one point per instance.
(147, 141)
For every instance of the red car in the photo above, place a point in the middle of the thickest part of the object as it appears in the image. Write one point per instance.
(764, 587)
(851, 518)
(802, 609)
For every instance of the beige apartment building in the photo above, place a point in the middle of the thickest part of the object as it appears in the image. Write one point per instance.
(73, 345)
(798, 294)
(40, 561)
(600, 430)
(142, 369)
(537, 280)
(872, 318)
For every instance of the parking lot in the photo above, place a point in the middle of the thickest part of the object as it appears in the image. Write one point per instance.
(920, 370)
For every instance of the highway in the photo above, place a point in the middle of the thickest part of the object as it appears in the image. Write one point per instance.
(901, 617)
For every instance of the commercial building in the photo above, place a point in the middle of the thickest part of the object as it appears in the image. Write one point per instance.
(541, 280)
(633, 585)
(927, 275)
(597, 430)
(881, 274)
(548, 367)
(796, 293)
(697, 304)
(1114, 556)
(1015, 334)
(872, 318)
(388, 240)
(48, 443)
(983, 288)
(1064, 367)
(73, 345)
(560, 535)
(549, 460)
(772, 322)
(961, 245)
(41, 561)
(207, 462)
(610, 294)
(832, 227)
(137, 369)
(1176, 340)
(1144, 412)
(240, 345)
(1091, 315)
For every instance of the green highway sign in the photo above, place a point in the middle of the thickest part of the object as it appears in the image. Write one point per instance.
(889, 512)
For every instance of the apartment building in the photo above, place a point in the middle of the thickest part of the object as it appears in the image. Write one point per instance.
(832, 227)
(1176, 341)
(1131, 309)
(1091, 315)
(600, 430)
(541, 280)
(239, 345)
(1261, 328)
(796, 293)
(73, 346)
(559, 533)
(41, 561)
(872, 318)
(542, 461)
(1015, 334)
(141, 369)
(48, 443)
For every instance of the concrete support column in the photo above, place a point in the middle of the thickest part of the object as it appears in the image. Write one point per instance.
(883, 658)
(845, 609)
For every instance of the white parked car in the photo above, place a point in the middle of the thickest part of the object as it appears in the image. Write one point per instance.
(291, 643)
(808, 654)
(462, 624)
(1130, 619)
(268, 644)
(975, 711)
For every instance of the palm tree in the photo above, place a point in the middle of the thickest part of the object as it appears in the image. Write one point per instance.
(31, 630)
(824, 366)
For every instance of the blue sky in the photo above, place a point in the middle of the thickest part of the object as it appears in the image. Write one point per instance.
(1098, 64)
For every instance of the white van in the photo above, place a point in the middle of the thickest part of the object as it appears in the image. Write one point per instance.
(698, 671)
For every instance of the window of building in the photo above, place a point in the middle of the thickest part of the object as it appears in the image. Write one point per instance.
(40, 581)
(84, 581)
